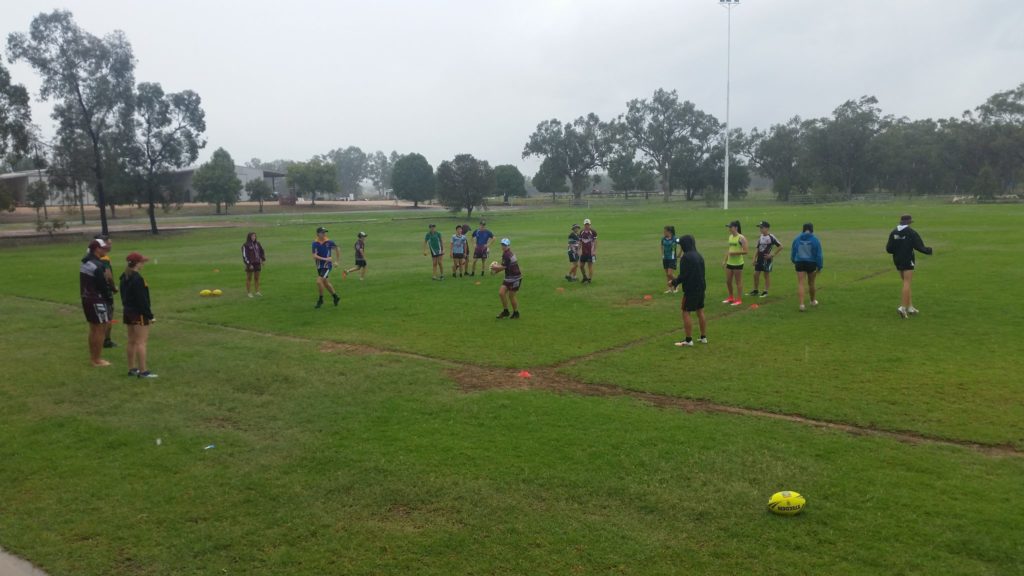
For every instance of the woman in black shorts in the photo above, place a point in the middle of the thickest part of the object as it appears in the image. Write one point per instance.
(807, 258)
(137, 314)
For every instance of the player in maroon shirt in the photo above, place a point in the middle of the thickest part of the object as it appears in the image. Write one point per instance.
(513, 279)
(588, 251)
(94, 283)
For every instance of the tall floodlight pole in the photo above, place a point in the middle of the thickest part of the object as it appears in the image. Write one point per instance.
(728, 5)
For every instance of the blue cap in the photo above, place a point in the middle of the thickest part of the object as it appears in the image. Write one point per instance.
(506, 242)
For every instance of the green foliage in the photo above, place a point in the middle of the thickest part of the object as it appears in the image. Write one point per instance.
(509, 181)
(986, 186)
(216, 181)
(577, 148)
(15, 115)
(351, 166)
(313, 177)
(464, 182)
(412, 179)
(6, 198)
(550, 177)
(51, 226)
(379, 167)
(259, 191)
(92, 75)
(163, 133)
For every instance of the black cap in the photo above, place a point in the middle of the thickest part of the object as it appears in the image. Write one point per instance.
(735, 223)
(763, 224)
(433, 226)
(808, 227)
(906, 220)
(321, 230)
(575, 225)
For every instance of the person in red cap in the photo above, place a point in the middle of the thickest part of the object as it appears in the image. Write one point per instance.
(137, 314)
(902, 243)
(96, 293)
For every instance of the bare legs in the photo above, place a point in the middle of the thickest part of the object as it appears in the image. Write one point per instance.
(97, 334)
(906, 299)
(688, 323)
(138, 337)
(734, 277)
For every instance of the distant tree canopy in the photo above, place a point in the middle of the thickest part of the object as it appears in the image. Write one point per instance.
(551, 177)
(509, 181)
(464, 182)
(15, 115)
(412, 179)
(574, 149)
(259, 191)
(352, 167)
(316, 176)
(216, 182)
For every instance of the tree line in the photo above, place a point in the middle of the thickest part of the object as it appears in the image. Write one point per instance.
(671, 145)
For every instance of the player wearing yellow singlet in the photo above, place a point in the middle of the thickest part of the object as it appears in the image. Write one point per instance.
(733, 264)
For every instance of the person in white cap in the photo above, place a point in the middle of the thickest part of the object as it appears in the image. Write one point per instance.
(94, 285)
(513, 280)
(588, 251)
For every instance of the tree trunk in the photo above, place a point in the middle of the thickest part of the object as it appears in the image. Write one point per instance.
(218, 207)
(469, 211)
(261, 206)
(152, 210)
(415, 203)
(101, 199)
(81, 200)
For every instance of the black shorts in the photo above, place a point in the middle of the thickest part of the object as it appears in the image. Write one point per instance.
(692, 302)
(434, 254)
(480, 252)
(458, 256)
(588, 258)
(734, 266)
(361, 263)
(668, 264)
(134, 319)
(254, 267)
(324, 272)
(573, 257)
(96, 312)
(763, 265)
(809, 267)
(901, 266)
(512, 285)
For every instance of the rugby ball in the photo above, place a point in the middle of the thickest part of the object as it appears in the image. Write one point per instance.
(787, 503)
(216, 292)
(205, 292)
(494, 264)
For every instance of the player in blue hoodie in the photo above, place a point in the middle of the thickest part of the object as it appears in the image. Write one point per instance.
(806, 256)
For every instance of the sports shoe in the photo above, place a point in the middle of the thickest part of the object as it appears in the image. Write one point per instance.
(814, 302)
(682, 343)
(728, 300)
(147, 374)
(764, 294)
(250, 295)
(670, 291)
(569, 278)
(802, 308)
(109, 344)
(752, 292)
(504, 314)
(133, 371)
(737, 302)
(515, 315)
(703, 340)
(319, 303)
(912, 311)
(473, 273)
(336, 299)
(902, 312)
(259, 294)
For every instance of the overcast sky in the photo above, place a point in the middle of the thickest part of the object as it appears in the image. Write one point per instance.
(298, 78)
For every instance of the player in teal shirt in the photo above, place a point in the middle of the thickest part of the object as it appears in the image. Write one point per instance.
(433, 242)
(669, 255)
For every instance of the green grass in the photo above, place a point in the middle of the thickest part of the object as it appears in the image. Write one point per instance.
(332, 462)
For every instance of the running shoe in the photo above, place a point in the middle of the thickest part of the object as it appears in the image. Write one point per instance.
(682, 343)
(728, 300)
(913, 311)
(147, 374)
(515, 315)
(703, 340)
(504, 314)
(764, 294)
(802, 308)
(336, 299)
(737, 302)
(133, 371)
(319, 303)
(752, 293)
(814, 302)
(902, 312)
(109, 344)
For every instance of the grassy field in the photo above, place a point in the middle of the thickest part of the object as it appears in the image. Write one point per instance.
(390, 435)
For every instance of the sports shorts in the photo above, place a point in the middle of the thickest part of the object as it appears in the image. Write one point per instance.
(734, 266)
(96, 312)
(480, 251)
(436, 253)
(573, 257)
(901, 266)
(668, 264)
(809, 267)
(588, 258)
(253, 267)
(324, 272)
(459, 256)
(512, 285)
(361, 263)
(692, 302)
(763, 265)
(134, 319)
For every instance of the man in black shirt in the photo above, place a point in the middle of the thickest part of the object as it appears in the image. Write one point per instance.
(903, 241)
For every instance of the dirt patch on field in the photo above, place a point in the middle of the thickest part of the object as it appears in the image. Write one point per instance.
(477, 379)
(343, 348)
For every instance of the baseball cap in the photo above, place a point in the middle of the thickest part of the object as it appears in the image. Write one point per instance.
(483, 222)
(735, 223)
(136, 258)
(906, 219)
(97, 243)
(321, 230)
(361, 234)
(575, 225)
(808, 227)
(433, 226)
(763, 224)
(506, 242)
